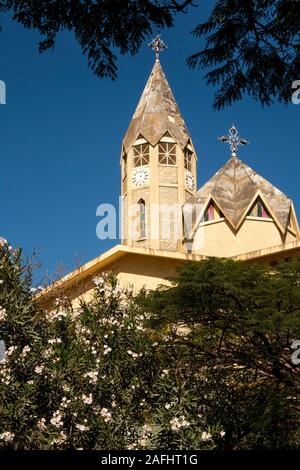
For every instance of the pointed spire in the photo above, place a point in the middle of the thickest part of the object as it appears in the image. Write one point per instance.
(156, 113)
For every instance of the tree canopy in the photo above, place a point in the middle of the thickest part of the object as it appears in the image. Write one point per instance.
(245, 46)
(241, 321)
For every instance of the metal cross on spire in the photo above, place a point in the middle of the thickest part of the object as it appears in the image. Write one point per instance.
(234, 140)
(157, 45)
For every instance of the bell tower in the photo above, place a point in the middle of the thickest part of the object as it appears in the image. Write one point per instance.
(158, 167)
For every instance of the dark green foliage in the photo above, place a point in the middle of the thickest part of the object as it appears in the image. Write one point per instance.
(251, 47)
(101, 27)
(241, 320)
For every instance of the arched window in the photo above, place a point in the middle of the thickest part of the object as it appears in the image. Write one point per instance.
(142, 218)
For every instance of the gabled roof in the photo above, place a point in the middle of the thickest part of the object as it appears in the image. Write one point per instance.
(235, 187)
(156, 113)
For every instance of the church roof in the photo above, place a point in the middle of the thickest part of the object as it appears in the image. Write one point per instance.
(156, 113)
(235, 188)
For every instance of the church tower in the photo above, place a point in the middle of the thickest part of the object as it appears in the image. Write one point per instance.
(158, 167)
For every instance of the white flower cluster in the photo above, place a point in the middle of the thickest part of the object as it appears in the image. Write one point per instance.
(10, 350)
(61, 439)
(81, 427)
(87, 399)
(59, 315)
(206, 436)
(54, 341)
(82, 333)
(5, 375)
(7, 436)
(39, 369)
(93, 376)
(3, 314)
(62, 301)
(66, 387)
(4, 242)
(132, 354)
(107, 349)
(56, 419)
(179, 422)
(65, 402)
(41, 424)
(106, 415)
(48, 353)
(25, 350)
(110, 321)
(99, 281)
(168, 405)
(145, 434)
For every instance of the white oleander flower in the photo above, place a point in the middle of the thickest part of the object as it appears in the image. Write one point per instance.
(87, 399)
(81, 427)
(54, 341)
(7, 436)
(42, 424)
(98, 281)
(178, 423)
(107, 349)
(3, 241)
(61, 439)
(206, 436)
(56, 419)
(106, 415)
(25, 350)
(3, 313)
(10, 350)
(39, 369)
(93, 376)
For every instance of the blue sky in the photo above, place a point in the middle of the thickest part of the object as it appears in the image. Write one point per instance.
(61, 132)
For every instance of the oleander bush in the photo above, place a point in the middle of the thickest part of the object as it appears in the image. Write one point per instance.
(204, 364)
(93, 377)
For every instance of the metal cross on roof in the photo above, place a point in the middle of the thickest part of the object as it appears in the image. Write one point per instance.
(234, 140)
(157, 45)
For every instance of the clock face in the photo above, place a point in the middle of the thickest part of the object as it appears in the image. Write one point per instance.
(140, 176)
(189, 181)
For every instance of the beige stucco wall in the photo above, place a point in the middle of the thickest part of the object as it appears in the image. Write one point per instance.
(136, 271)
(219, 239)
